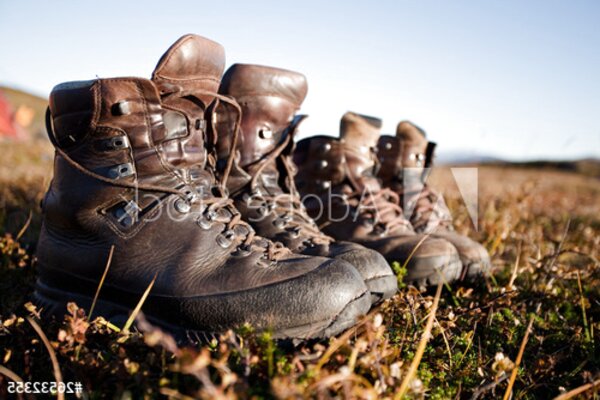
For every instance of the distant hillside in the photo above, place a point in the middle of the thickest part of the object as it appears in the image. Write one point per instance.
(36, 105)
(586, 166)
(464, 157)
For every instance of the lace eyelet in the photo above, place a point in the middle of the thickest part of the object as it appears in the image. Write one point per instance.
(182, 206)
(204, 223)
(243, 251)
(263, 210)
(226, 238)
(279, 223)
(211, 215)
(368, 222)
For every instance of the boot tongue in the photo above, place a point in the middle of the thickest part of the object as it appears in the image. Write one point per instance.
(359, 134)
(191, 63)
(191, 66)
(360, 131)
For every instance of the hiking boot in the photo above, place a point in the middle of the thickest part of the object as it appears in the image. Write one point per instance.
(133, 170)
(261, 179)
(337, 180)
(405, 160)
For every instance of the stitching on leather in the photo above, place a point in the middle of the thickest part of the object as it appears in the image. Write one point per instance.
(175, 80)
(172, 52)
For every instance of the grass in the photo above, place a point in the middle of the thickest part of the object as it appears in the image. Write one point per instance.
(542, 228)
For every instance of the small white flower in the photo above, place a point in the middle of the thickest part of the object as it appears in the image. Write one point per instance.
(416, 385)
(395, 370)
(378, 320)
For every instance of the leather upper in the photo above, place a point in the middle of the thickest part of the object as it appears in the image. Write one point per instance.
(121, 133)
(404, 161)
(269, 98)
(192, 63)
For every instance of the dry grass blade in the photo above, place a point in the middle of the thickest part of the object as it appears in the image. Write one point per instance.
(422, 344)
(9, 374)
(515, 271)
(12, 376)
(581, 389)
(110, 255)
(413, 251)
(513, 375)
(174, 394)
(586, 328)
(342, 340)
(138, 307)
(25, 226)
(55, 366)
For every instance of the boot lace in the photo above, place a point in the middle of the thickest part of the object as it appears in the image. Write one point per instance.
(428, 208)
(380, 209)
(288, 206)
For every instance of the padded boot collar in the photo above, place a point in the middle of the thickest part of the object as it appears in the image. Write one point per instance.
(360, 131)
(413, 145)
(269, 98)
(191, 63)
(244, 81)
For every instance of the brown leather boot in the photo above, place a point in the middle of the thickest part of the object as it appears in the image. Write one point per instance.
(403, 159)
(339, 188)
(132, 171)
(261, 180)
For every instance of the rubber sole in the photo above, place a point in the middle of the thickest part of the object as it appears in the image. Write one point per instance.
(423, 272)
(475, 270)
(54, 302)
(382, 288)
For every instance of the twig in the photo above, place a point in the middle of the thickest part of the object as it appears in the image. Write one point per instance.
(9, 374)
(12, 376)
(579, 390)
(489, 386)
(421, 347)
(513, 375)
(174, 394)
(55, 366)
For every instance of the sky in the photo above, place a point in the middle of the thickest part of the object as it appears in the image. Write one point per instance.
(513, 79)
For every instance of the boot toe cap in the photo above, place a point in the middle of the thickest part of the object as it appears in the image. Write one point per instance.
(473, 255)
(372, 266)
(434, 261)
(320, 303)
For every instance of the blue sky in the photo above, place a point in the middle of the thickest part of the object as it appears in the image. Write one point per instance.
(516, 79)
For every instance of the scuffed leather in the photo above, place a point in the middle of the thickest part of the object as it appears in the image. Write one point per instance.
(199, 284)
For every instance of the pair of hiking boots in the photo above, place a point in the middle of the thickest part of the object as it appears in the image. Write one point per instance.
(187, 180)
(358, 187)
